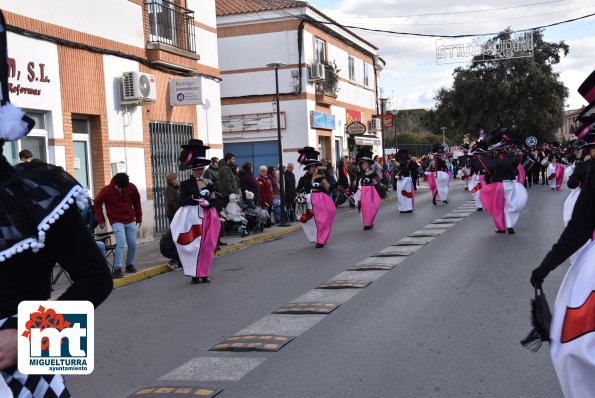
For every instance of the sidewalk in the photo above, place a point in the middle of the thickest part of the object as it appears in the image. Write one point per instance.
(149, 262)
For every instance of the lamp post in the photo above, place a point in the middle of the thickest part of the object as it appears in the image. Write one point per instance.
(382, 104)
(443, 139)
(278, 65)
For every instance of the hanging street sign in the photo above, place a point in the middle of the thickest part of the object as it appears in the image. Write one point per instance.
(355, 128)
(531, 141)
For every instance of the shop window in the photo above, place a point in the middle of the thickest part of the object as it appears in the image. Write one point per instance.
(36, 141)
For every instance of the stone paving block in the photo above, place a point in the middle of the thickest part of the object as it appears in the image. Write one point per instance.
(176, 392)
(415, 240)
(252, 342)
(344, 284)
(281, 325)
(368, 276)
(428, 232)
(213, 369)
(397, 251)
(316, 307)
(446, 220)
(455, 215)
(338, 296)
(437, 226)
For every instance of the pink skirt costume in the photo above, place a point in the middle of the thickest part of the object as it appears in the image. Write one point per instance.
(195, 230)
(438, 182)
(369, 199)
(318, 228)
(405, 194)
(522, 175)
(504, 201)
(555, 175)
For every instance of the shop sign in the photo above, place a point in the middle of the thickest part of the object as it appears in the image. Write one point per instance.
(187, 91)
(352, 116)
(319, 120)
(355, 128)
(388, 119)
(252, 122)
(366, 141)
(26, 79)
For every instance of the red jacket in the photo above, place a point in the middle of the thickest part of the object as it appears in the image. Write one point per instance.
(121, 207)
(265, 191)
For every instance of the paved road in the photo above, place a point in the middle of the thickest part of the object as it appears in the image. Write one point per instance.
(443, 323)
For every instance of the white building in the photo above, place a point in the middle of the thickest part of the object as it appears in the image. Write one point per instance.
(67, 59)
(254, 33)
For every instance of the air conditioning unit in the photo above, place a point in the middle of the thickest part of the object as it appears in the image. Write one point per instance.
(317, 72)
(138, 87)
(375, 125)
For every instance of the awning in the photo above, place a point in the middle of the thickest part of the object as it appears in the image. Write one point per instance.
(367, 141)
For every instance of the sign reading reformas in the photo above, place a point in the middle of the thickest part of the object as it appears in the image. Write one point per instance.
(186, 91)
(484, 48)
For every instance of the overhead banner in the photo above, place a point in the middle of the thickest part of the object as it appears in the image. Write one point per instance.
(484, 48)
(253, 122)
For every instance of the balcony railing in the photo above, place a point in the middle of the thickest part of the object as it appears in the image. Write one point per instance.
(171, 24)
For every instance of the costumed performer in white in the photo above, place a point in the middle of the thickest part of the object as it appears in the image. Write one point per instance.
(405, 191)
(195, 227)
(366, 197)
(438, 176)
(320, 215)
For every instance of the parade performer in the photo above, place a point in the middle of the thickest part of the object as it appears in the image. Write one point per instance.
(318, 219)
(555, 168)
(40, 226)
(195, 227)
(572, 331)
(438, 176)
(366, 197)
(476, 174)
(405, 189)
(502, 196)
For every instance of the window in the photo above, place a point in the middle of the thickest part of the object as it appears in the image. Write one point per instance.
(366, 76)
(319, 50)
(36, 141)
(351, 62)
(171, 24)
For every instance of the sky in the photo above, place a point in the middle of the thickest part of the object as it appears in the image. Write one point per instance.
(412, 77)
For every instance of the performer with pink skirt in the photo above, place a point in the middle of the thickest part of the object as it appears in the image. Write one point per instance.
(502, 196)
(318, 220)
(475, 180)
(555, 169)
(195, 227)
(366, 196)
(405, 191)
(438, 176)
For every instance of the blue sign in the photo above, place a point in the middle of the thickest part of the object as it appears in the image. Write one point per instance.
(319, 120)
(531, 141)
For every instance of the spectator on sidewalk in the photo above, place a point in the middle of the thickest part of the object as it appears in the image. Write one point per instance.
(248, 181)
(352, 170)
(265, 190)
(289, 182)
(172, 195)
(123, 208)
(227, 180)
(212, 172)
(25, 156)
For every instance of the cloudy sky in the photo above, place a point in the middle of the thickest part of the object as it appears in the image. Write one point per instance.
(412, 76)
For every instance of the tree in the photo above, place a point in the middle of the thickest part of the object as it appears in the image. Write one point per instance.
(523, 94)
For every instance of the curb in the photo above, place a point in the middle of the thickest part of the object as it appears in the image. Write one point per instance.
(156, 270)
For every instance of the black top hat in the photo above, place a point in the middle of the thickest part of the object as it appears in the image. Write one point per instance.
(194, 155)
(14, 124)
(465, 147)
(308, 156)
(588, 114)
(364, 155)
(586, 133)
(575, 144)
(403, 156)
(480, 146)
(500, 139)
(437, 150)
(587, 88)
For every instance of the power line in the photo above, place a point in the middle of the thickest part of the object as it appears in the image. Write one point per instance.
(457, 12)
(487, 20)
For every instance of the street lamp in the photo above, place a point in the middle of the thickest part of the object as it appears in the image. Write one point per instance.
(278, 65)
(443, 139)
(382, 104)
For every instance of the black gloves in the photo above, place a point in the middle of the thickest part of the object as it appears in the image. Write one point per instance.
(538, 275)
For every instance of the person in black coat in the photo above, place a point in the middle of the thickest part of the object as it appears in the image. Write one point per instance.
(289, 180)
(248, 181)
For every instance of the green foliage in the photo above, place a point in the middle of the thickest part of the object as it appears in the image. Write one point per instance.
(331, 81)
(524, 94)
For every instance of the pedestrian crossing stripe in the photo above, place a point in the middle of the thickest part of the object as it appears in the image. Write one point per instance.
(306, 308)
(372, 267)
(252, 343)
(175, 392)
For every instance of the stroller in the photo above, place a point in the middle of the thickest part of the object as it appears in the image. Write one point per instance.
(258, 219)
(232, 218)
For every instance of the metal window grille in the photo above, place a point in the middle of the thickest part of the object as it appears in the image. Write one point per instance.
(166, 140)
(171, 24)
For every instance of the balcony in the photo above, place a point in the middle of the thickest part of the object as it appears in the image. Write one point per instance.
(171, 28)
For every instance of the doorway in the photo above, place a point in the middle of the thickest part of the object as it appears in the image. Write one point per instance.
(82, 152)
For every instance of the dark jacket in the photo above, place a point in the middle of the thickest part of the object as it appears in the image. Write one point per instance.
(121, 207)
(289, 185)
(190, 190)
(212, 174)
(227, 180)
(172, 200)
(248, 183)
